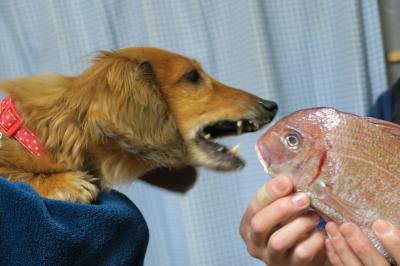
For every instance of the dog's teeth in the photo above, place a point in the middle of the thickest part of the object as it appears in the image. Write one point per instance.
(239, 125)
(256, 125)
(207, 136)
(220, 149)
(234, 150)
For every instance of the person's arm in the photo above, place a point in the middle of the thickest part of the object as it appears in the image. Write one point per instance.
(276, 230)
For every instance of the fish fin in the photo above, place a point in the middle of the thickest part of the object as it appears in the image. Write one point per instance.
(387, 126)
(341, 206)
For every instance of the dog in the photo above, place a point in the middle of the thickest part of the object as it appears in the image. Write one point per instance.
(131, 112)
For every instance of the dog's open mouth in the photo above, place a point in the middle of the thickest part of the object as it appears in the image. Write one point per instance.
(226, 156)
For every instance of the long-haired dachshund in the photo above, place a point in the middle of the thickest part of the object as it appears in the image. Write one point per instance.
(132, 111)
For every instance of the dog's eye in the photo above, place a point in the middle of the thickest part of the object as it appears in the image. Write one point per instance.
(193, 76)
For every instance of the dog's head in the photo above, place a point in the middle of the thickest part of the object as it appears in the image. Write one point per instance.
(167, 109)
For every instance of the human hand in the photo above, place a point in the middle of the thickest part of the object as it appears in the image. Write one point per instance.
(347, 245)
(277, 231)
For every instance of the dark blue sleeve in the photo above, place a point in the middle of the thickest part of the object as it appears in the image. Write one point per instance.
(383, 107)
(38, 231)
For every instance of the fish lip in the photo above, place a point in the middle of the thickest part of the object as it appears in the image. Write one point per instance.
(262, 160)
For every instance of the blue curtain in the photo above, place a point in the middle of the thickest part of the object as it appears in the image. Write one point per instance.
(298, 53)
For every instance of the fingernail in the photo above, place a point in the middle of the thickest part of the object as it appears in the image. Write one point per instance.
(382, 227)
(262, 196)
(280, 186)
(348, 230)
(300, 200)
(332, 230)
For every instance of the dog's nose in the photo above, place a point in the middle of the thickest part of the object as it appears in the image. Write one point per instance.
(270, 106)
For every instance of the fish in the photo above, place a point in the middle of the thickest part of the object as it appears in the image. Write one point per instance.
(348, 165)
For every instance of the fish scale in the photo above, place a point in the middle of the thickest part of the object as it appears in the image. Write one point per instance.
(348, 165)
(379, 153)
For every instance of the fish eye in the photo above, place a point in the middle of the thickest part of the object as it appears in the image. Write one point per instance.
(193, 76)
(292, 141)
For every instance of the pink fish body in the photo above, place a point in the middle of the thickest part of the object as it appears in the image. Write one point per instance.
(348, 165)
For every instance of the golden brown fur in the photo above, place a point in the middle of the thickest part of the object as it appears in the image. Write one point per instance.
(129, 113)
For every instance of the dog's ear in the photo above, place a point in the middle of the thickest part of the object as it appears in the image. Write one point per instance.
(127, 75)
(135, 114)
(128, 70)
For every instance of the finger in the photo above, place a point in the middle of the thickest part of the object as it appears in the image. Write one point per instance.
(389, 236)
(308, 249)
(332, 256)
(340, 246)
(280, 210)
(287, 236)
(361, 245)
(276, 188)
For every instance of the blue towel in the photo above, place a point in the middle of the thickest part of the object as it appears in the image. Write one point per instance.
(38, 231)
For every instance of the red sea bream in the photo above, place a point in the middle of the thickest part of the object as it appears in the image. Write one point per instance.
(348, 165)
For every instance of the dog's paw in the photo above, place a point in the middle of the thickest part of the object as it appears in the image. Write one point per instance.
(69, 186)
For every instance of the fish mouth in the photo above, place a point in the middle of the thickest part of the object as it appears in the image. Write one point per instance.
(262, 158)
(225, 158)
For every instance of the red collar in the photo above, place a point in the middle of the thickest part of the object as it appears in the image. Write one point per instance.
(11, 124)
